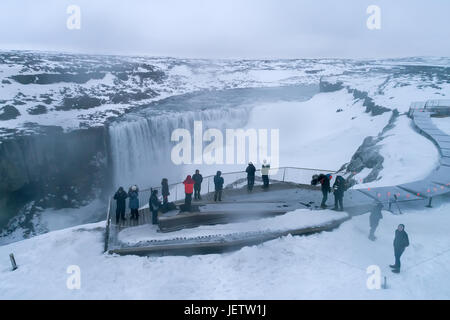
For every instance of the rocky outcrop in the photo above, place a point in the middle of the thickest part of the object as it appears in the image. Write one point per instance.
(368, 102)
(9, 112)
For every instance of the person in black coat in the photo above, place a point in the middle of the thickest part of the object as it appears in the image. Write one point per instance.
(198, 178)
(339, 188)
(154, 205)
(165, 190)
(120, 196)
(401, 241)
(251, 169)
(326, 188)
(374, 219)
(218, 186)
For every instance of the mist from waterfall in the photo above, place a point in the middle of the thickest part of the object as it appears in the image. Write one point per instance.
(140, 143)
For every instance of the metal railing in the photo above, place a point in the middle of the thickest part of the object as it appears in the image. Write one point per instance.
(233, 180)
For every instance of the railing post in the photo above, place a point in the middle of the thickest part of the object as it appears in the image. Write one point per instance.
(284, 173)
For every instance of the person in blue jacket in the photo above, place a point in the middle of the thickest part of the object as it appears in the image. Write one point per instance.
(133, 203)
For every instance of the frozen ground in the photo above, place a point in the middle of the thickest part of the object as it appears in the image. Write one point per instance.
(324, 266)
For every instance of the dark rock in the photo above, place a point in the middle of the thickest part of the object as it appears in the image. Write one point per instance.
(49, 78)
(39, 109)
(81, 102)
(325, 86)
(6, 81)
(8, 112)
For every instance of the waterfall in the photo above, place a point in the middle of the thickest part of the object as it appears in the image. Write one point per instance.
(141, 145)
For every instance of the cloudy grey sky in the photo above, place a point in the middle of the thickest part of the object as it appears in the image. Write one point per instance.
(230, 28)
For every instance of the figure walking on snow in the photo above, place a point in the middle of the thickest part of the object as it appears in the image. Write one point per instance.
(374, 219)
(250, 176)
(401, 241)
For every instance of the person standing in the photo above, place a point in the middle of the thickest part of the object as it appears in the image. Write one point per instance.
(198, 178)
(338, 190)
(165, 191)
(250, 176)
(154, 205)
(188, 190)
(401, 241)
(120, 196)
(265, 174)
(325, 182)
(133, 194)
(218, 186)
(374, 219)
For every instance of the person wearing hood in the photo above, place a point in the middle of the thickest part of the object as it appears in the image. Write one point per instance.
(120, 196)
(218, 186)
(401, 241)
(165, 190)
(325, 183)
(265, 174)
(154, 205)
(250, 176)
(339, 188)
(198, 178)
(133, 194)
(374, 219)
(188, 190)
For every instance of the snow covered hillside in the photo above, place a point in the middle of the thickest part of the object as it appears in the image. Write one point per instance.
(111, 117)
(329, 265)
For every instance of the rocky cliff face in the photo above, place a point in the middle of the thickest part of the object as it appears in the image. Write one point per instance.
(52, 169)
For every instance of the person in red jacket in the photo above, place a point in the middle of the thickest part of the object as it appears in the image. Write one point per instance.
(189, 190)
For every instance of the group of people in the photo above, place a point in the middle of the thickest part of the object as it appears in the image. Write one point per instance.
(401, 240)
(338, 189)
(193, 184)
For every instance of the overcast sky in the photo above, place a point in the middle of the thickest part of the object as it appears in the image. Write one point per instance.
(230, 28)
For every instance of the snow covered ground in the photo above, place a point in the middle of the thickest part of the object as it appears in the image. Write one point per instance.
(408, 156)
(330, 265)
(301, 218)
(312, 133)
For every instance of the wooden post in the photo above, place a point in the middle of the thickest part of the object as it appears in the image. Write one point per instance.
(429, 203)
(385, 283)
(13, 261)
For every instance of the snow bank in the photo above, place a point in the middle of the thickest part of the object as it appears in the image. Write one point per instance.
(408, 156)
(329, 265)
(301, 218)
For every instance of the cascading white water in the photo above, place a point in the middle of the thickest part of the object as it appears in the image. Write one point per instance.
(141, 146)
(140, 143)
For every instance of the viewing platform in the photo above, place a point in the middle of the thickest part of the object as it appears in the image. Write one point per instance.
(247, 218)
